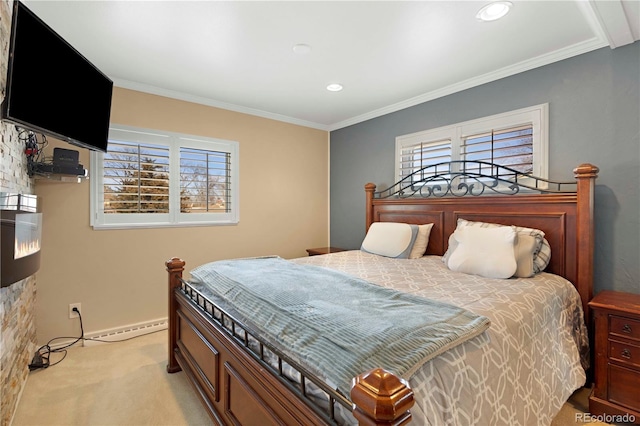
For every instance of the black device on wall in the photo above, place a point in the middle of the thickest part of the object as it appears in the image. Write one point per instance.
(52, 88)
(65, 162)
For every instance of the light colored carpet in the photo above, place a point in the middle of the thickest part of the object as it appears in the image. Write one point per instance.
(574, 410)
(122, 383)
(126, 383)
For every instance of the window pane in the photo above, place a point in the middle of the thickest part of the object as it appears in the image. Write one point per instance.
(511, 148)
(136, 178)
(204, 181)
(417, 157)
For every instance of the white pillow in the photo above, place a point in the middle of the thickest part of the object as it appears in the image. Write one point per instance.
(390, 239)
(541, 250)
(422, 241)
(487, 252)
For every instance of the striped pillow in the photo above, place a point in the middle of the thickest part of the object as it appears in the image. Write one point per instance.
(542, 257)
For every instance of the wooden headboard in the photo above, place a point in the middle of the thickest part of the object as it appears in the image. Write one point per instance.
(565, 217)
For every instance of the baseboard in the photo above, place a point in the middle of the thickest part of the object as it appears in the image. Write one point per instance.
(119, 333)
(126, 332)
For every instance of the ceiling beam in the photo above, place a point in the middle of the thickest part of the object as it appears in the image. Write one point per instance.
(614, 22)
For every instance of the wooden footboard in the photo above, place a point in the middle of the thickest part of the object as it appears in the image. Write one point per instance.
(237, 388)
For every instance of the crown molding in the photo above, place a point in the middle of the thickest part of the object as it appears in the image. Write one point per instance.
(153, 90)
(542, 60)
(598, 41)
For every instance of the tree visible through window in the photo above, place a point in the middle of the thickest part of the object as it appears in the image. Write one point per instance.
(136, 178)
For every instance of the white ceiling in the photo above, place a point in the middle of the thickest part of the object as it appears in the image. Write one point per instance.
(388, 55)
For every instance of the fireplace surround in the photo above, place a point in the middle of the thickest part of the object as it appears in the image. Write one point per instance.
(21, 233)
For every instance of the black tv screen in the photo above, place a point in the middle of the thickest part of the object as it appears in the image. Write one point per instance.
(52, 88)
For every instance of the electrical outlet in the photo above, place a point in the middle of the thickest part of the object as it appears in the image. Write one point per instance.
(73, 314)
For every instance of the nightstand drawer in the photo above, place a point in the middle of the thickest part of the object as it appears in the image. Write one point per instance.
(617, 354)
(623, 387)
(624, 327)
(624, 352)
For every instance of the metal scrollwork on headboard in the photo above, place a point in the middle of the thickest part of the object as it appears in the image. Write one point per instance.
(470, 178)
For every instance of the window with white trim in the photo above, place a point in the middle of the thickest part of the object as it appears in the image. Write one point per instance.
(150, 178)
(516, 139)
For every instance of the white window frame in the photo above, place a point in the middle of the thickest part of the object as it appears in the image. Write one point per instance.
(537, 116)
(175, 218)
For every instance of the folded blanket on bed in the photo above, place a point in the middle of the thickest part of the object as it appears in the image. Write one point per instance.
(333, 323)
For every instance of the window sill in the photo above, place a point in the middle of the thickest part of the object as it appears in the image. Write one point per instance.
(102, 227)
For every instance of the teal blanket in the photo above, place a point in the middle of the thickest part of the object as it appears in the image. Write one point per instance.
(334, 324)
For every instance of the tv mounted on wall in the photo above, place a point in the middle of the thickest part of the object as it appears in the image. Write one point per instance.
(52, 88)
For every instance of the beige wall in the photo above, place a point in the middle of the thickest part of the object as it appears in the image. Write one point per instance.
(118, 275)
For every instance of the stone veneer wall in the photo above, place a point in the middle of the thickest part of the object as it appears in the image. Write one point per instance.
(18, 301)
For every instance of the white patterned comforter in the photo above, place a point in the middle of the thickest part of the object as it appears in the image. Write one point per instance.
(519, 372)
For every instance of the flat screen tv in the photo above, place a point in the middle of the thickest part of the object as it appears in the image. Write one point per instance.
(52, 88)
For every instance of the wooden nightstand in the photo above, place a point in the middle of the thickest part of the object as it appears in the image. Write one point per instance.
(617, 354)
(324, 250)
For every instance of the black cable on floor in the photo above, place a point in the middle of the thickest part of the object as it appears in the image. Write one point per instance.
(41, 359)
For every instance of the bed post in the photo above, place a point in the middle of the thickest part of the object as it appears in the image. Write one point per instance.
(369, 189)
(585, 175)
(175, 267)
(381, 398)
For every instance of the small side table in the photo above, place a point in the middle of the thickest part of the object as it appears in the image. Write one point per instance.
(324, 250)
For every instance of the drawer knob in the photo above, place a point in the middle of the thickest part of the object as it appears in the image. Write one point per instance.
(626, 328)
(626, 353)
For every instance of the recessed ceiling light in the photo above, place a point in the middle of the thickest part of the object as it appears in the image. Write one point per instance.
(493, 11)
(334, 87)
(301, 49)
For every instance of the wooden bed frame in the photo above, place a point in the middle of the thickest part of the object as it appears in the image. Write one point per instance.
(238, 388)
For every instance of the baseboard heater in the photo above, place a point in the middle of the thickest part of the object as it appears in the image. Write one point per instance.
(119, 333)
